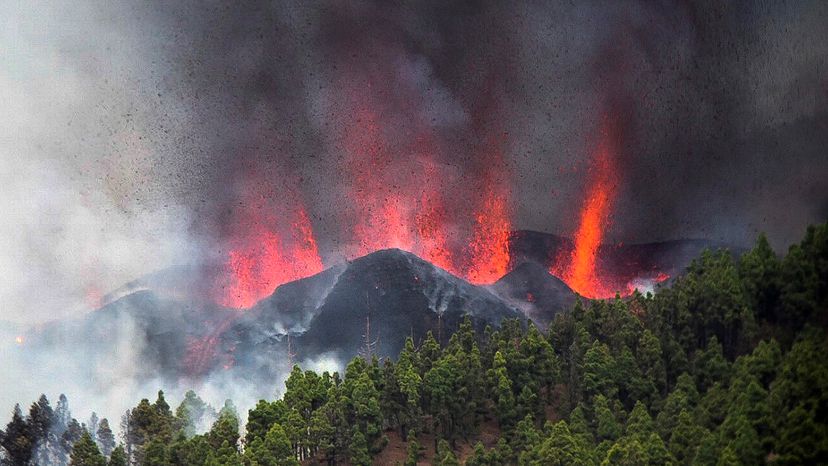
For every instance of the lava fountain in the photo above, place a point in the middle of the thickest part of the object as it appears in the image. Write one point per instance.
(578, 267)
(267, 255)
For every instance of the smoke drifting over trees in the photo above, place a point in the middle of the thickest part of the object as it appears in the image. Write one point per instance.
(136, 137)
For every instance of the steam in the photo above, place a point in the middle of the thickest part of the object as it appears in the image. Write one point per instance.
(129, 131)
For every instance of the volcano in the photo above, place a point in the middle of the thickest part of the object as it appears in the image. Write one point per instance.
(369, 305)
(537, 293)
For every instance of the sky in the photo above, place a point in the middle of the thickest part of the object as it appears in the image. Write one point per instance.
(137, 136)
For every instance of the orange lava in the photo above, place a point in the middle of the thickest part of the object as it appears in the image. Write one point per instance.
(489, 248)
(265, 258)
(579, 267)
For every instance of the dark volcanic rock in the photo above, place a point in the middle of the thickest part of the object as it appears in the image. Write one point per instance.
(168, 322)
(532, 289)
(397, 292)
(625, 262)
(159, 332)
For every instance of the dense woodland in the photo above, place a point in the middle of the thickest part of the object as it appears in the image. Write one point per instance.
(727, 366)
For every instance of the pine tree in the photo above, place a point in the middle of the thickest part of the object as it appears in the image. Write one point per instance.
(92, 426)
(106, 440)
(444, 455)
(627, 451)
(707, 452)
(155, 453)
(684, 438)
(274, 450)
(526, 437)
(607, 427)
(711, 366)
(760, 272)
(651, 361)
(599, 367)
(226, 427)
(118, 457)
(41, 423)
(639, 423)
(191, 413)
(359, 450)
(71, 435)
(562, 448)
(86, 453)
(479, 456)
(413, 449)
(16, 440)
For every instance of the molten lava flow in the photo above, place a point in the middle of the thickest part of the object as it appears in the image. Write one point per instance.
(578, 268)
(489, 248)
(263, 260)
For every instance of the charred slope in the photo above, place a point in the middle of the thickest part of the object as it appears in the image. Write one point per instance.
(538, 294)
(397, 292)
(159, 332)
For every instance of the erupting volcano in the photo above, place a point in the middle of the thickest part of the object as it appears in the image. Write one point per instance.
(275, 246)
(270, 246)
(578, 267)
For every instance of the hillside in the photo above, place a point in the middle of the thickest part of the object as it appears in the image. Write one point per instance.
(723, 367)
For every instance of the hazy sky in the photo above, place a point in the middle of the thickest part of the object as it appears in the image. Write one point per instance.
(130, 130)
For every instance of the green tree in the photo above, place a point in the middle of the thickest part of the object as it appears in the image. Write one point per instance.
(106, 439)
(606, 426)
(627, 452)
(40, 423)
(118, 457)
(191, 413)
(728, 457)
(804, 275)
(707, 452)
(685, 437)
(359, 454)
(479, 456)
(156, 453)
(86, 453)
(504, 397)
(444, 455)
(651, 362)
(526, 437)
(711, 366)
(413, 449)
(738, 435)
(274, 450)
(599, 367)
(561, 448)
(760, 272)
(639, 423)
(226, 427)
(262, 417)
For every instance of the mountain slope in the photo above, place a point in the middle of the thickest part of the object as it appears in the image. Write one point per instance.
(533, 290)
(398, 293)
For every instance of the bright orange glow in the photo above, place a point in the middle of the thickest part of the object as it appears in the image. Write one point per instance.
(579, 267)
(18, 340)
(264, 258)
(383, 217)
(489, 248)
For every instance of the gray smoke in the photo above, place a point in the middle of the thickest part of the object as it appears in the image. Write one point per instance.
(133, 133)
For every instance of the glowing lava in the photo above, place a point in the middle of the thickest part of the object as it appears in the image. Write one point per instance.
(489, 248)
(578, 267)
(266, 257)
